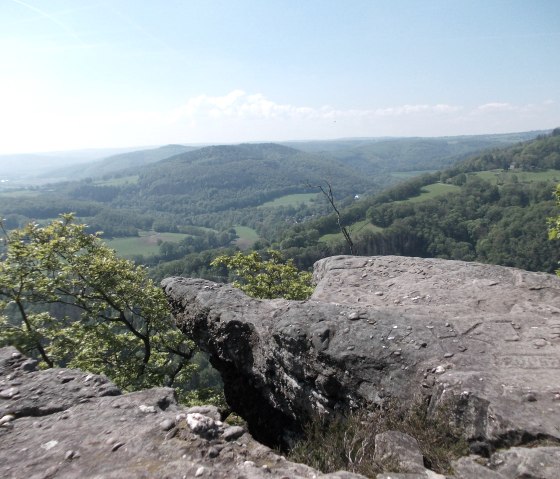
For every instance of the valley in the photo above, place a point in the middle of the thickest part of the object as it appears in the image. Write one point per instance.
(175, 208)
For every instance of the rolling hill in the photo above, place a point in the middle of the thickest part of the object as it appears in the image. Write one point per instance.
(220, 178)
(375, 155)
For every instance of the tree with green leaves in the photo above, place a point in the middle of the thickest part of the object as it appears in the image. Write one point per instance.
(554, 223)
(67, 300)
(267, 278)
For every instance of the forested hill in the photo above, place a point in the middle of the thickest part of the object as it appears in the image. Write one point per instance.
(542, 153)
(409, 154)
(491, 208)
(222, 177)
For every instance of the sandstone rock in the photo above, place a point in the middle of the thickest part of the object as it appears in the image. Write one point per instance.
(144, 434)
(517, 462)
(408, 475)
(486, 338)
(45, 392)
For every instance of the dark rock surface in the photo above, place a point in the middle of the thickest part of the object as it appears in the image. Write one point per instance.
(486, 337)
(62, 423)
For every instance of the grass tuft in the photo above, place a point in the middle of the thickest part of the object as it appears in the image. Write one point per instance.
(348, 443)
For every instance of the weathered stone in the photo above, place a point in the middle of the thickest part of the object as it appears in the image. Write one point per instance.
(414, 475)
(167, 424)
(233, 432)
(400, 448)
(43, 392)
(517, 462)
(112, 437)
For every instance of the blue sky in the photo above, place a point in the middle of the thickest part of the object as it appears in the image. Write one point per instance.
(88, 74)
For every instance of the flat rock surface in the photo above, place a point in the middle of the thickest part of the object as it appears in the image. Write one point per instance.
(493, 331)
(377, 327)
(83, 427)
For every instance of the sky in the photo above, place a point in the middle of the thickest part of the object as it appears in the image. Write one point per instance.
(78, 74)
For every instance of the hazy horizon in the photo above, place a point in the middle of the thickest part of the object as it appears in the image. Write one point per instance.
(117, 74)
(103, 152)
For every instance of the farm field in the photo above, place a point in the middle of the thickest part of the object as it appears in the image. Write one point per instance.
(18, 193)
(247, 237)
(432, 191)
(290, 200)
(358, 227)
(146, 244)
(500, 176)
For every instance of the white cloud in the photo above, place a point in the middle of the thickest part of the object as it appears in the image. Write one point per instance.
(33, 121)
(239, 104)
(496, 106)
(414, 109)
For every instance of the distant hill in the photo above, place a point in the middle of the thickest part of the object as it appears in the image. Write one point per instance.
(31, 165)
(216, 178)
(490, 207)
(122, 161)
(409, 154)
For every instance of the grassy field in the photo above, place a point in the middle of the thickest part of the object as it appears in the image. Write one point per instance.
(432, 191)
(247, 237)
(125, 180)
(500, 176)
(15, 193)
(404, 175)
(354, 229)
(290, 200)
(147, 244)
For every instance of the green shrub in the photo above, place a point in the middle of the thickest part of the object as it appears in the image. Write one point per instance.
(267, 278)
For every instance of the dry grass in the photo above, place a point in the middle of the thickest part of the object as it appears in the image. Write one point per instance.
(348, 443)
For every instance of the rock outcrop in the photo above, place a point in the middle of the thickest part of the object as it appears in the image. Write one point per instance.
(62, 423)
(485, 337)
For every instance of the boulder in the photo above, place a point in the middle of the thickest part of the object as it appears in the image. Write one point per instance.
(395, 446)
(485, 338)
(69, 424)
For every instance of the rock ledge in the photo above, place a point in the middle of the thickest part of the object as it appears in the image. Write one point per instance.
(62, 423)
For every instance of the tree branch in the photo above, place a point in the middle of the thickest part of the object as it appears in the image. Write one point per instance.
(330, 197)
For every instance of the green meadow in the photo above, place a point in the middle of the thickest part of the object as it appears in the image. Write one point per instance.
(500, 176)
(354, 229)
(146, 244)
(290, 200)
(247, 237)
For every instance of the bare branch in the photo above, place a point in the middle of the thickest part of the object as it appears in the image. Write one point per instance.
(330, 197)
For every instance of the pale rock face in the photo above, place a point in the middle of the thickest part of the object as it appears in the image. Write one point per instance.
(485, 337)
